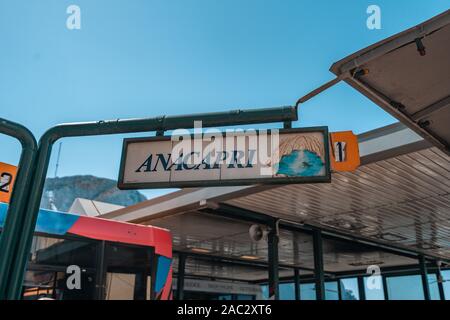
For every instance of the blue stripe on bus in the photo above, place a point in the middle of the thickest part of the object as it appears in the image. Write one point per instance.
(161, 272)
(3, 209)
(51, 222)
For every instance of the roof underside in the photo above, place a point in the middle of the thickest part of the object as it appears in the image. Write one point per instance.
(402, 201)
(412, 87)
(229, 239)
(399, 196)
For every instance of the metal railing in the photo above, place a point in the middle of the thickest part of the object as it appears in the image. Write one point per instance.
(12, 229)
(33, 172)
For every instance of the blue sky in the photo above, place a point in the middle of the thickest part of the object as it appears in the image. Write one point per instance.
(149, 58)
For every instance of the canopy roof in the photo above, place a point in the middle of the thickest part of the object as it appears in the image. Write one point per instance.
(399, 198)
(409, 77)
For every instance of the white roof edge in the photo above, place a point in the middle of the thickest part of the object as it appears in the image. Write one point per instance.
(388, 142)
(92, 208)
(395, 41)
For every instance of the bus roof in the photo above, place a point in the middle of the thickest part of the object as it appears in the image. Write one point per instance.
(61, 223)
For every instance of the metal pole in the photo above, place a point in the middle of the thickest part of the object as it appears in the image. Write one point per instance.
(318, 265)
(180, 277)
(423, 273)
(100, 277)
(361, 288)
(385, 287)
(297, 283)
(216, 119)
(323, 87)
(339, 288)
(439, 278)
(10, 235)
(272, 242)
(115, 127)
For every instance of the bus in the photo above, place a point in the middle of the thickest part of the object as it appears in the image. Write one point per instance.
(77, 257)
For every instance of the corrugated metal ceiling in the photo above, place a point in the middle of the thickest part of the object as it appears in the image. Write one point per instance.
(229, 238)
(404, 200)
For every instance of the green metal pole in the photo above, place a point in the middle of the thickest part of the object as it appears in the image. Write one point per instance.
(318, 265)
(297, 283)
(10, 235)
(216, 119)
(424, 276)
(180, 275)
(273, 260)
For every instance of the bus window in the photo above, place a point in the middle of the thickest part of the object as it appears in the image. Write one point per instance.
(128, 272)
(48, 272)
(63, 252)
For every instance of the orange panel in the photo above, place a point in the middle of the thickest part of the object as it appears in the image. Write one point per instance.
(7, 177)
(344, 151)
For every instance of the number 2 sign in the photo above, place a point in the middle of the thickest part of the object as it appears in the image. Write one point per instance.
(7, 176)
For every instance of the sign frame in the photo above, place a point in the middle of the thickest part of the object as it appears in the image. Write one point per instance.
(326, 178)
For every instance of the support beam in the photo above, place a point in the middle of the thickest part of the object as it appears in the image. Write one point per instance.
(361, 288)
(391, 271)
(235, 212)
(440, 280)
(428, 111)
(180, 276)
(272, 240)
(423, 273)
(318, 265)
(237, 261)
(100, 280)
(323, 87)
(339, 285)
(397, 111)
(297, 284)
(385, 288)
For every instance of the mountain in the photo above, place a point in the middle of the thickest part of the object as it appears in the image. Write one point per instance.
(63, 191)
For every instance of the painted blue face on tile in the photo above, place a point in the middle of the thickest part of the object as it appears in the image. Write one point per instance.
(303, 163)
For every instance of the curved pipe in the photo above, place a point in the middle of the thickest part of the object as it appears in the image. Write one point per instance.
(10, 237)
(18, 131)
(215, 119)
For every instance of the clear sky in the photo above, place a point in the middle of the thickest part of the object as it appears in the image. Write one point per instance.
(148, 58)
